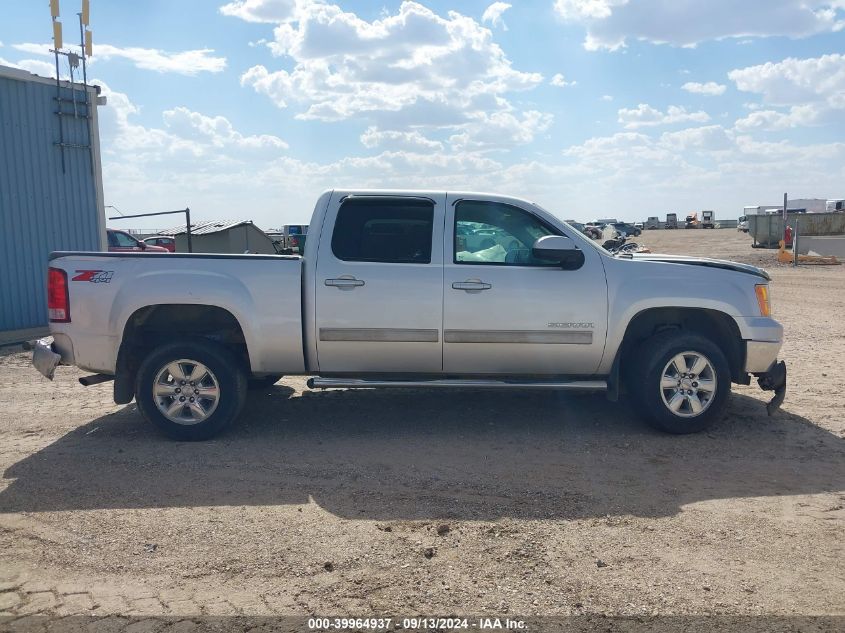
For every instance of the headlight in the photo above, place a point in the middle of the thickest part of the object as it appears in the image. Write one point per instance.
(762, 292)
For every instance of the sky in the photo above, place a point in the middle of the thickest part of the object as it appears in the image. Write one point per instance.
(248, 109)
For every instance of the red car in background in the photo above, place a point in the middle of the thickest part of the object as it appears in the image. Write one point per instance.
(167, 242)
(122, 242)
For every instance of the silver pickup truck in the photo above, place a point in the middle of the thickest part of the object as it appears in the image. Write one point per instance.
(415, 289)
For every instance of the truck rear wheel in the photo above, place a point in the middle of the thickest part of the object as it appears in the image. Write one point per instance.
(681, 382)
(190, 390)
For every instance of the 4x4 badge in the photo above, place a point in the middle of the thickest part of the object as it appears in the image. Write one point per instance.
(94, 276)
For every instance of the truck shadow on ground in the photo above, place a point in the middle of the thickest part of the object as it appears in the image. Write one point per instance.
(426, 454)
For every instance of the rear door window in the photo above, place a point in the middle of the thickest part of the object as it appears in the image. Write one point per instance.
(389, 230)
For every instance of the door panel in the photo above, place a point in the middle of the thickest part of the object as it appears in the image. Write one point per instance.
(379, 295)
(506, 312)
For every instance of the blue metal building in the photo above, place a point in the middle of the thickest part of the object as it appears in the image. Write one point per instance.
(51, 191)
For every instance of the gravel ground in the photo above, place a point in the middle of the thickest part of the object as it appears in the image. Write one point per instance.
(422, 502)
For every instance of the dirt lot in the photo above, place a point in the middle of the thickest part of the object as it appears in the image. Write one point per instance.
(420, 502)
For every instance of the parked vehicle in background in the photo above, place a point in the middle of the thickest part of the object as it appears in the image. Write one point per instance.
(626, 229)
(671, 220)
(294, 237)
(835, 205)
(742, 224)
(391, 297)
(122, 242)
(639, 225)
(593, 230)
(167, 242)
(590, 231)
(652, 223)
(691, 221)
(708, 220)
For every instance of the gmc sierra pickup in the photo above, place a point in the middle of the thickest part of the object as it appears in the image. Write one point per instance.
(415, 289)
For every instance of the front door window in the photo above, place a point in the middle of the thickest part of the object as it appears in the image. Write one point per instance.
(495, 233)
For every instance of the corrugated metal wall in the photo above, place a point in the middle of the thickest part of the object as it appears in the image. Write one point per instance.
(42, 207)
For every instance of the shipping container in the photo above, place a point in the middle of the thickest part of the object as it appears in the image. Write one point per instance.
(767, 230)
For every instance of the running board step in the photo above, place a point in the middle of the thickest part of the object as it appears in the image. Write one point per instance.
(358, 383)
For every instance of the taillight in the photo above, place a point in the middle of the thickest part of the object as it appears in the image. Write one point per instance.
(58, 303)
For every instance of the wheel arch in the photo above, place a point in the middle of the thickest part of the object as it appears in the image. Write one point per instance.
(715, 325)
(152, 325)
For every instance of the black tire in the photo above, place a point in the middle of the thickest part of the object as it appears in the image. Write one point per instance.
(646, 372)
(263, 382)
(227, 371)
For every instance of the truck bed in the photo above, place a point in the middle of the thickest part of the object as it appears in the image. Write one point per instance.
(262, 292)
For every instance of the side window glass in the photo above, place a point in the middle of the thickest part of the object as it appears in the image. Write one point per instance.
(125, 240)
(495, 233)
(112, 238)
(390, 230)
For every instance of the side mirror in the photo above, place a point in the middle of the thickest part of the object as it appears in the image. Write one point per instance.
(558, 248)
(142, 244)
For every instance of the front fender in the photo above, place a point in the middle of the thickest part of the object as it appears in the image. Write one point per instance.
(634, 287)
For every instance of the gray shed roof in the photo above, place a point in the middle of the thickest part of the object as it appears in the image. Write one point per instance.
(206, 227)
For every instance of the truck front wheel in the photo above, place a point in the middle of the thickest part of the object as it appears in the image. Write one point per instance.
(681, 382)
(190, 390)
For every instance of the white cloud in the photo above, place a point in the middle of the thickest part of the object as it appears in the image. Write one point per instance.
(35, 66)
(393, 140)
(812, 91)
(493, 14)
(607, 97)
(708, 138)
(702, 167)
(575, 10)
(710, 89)
(413, 68)
(611, 23)
(805, 115)
(33, 49)
(183, 62)
(272, 11)
(185, 135)
(217, 131)
(645, 116)
(560, 81)
(500, 130)
(205, 158)
(794, 81)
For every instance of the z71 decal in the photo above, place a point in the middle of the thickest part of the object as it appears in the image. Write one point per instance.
(94, 276)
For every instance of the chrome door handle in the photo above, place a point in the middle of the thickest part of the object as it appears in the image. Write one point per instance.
(345, 283)
(471, 285)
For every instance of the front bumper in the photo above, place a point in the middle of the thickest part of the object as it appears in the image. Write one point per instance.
(759, 355)
(774, 379)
